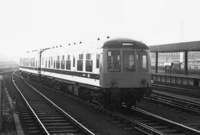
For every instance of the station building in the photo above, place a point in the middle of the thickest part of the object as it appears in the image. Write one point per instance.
(177, 58)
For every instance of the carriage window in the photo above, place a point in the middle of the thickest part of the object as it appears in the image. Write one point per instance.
(63, 62)
(54, 63)
(46, 63)
(42, 60)
(51, 61)
(114, 61)
(31, 59)
(80, 63)
(74, 61)
(89, 63)
(68, 63)
(34, 62)
(58, 62)
(143, 63)
(27, 63)
(24, 62)
(97, 60)
(30, 62)
(128, 61)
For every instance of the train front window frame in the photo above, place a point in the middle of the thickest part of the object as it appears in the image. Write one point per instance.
(114, 61)
(129, 64)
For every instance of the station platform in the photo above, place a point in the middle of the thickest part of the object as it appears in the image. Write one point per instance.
(176, 58)
(191, 81)
(177, 75)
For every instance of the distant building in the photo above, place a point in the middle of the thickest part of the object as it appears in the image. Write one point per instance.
(5, 62)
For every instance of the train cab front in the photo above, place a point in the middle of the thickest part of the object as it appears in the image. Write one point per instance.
(126, 71)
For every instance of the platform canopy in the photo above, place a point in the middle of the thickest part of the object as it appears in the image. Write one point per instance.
(176, 47)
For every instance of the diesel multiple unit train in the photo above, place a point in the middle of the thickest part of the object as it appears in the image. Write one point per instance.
(108, 72)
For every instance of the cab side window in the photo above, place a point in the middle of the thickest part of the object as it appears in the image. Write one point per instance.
(143, 61)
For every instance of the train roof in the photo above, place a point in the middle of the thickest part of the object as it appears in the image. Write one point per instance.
(124, 43)
(30, 54)
(73, 48)
(98, 44)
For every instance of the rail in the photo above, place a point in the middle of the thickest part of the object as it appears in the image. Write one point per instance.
(179, 126)
(81, 127)
(60, 109)
(45, 130)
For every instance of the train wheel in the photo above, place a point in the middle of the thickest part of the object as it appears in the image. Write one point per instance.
(116, 98)
(130, 101)
(106, 103)
(116, 102)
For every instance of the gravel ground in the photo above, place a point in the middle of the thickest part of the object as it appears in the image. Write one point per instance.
(8, 126)
(8, 121)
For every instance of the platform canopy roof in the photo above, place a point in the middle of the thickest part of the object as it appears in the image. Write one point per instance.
(176, 47)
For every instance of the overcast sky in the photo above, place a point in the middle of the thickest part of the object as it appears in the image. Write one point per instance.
(35, 24)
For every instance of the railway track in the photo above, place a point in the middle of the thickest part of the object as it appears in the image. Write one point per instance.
(159, 124)
(183, 105)
(140, 122)
(42, 116)
(177, 90)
